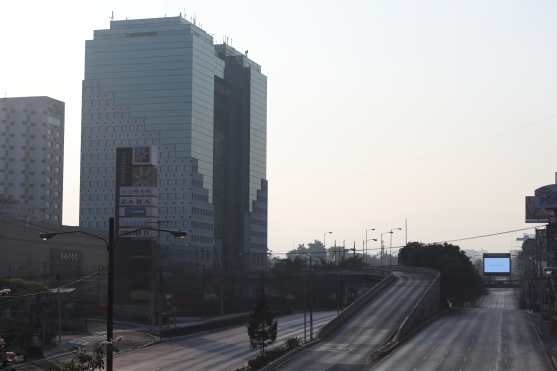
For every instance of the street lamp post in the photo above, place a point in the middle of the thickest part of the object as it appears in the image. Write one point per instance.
(110, 246)
(383, 246)
(310, 301)
(365, 248)
(324, 238)
(391, 244)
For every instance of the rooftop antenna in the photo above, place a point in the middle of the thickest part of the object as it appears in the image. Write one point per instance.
(112, 16)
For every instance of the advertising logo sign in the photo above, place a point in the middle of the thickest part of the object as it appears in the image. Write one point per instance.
(138, 192)
(138, 212)
(139, 201)
(145, 155)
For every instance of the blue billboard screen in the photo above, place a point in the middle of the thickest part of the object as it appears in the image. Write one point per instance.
(497, 264)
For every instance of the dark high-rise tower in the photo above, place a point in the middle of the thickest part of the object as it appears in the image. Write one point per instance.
(240, 148)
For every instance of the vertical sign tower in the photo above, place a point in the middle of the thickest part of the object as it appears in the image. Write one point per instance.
(137, 256)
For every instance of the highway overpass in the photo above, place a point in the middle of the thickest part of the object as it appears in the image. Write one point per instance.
(352, 344)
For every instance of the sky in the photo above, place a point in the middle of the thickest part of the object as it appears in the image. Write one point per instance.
(439, 112)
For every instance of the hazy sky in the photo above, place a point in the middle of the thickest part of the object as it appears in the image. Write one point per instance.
(442, 112)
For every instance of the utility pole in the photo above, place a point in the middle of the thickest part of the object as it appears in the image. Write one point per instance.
(381, 256)
(305, 307)
(405, 232)
(310, 301)
(391, 249)
(338, 292)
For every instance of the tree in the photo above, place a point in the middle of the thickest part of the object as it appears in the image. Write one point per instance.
(262, 325)
(460, 281)
(317, 251)
(298, 253)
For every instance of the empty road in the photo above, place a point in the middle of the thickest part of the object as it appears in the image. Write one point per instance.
(497, 336)
(349, 348)
(224, 350)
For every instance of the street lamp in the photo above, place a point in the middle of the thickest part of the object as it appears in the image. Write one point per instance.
(324, 238)
(368, 229)
(391, 243)
(110, 246)
(383, 244)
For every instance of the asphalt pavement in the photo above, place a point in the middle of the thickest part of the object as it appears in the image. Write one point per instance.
(222, 350)
(349, 348)
(497, 336)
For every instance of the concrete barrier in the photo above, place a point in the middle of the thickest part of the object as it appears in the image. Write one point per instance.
(349, 311)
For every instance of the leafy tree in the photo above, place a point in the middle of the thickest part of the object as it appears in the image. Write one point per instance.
(298, 253)
(262, 325)
(460, 281)
(317, 251)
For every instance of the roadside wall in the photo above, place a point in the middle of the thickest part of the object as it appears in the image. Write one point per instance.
(426, 308)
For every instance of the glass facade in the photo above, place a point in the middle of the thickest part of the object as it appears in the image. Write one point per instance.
(240, 161)
(163, 82)
(150, 81)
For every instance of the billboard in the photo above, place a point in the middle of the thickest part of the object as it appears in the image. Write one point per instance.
(546, 196)
(534, 212)
(497, 264)
(541, 207)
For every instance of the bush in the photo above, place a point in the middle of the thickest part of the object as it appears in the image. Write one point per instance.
(263, 359)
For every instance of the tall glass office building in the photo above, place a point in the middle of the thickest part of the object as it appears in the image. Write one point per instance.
(152, 82)
(240, 161)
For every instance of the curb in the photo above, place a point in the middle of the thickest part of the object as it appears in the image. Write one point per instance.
(552, 361)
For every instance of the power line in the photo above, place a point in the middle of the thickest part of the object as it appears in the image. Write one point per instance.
(438, 242)
(487, 235)
(472, 237)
